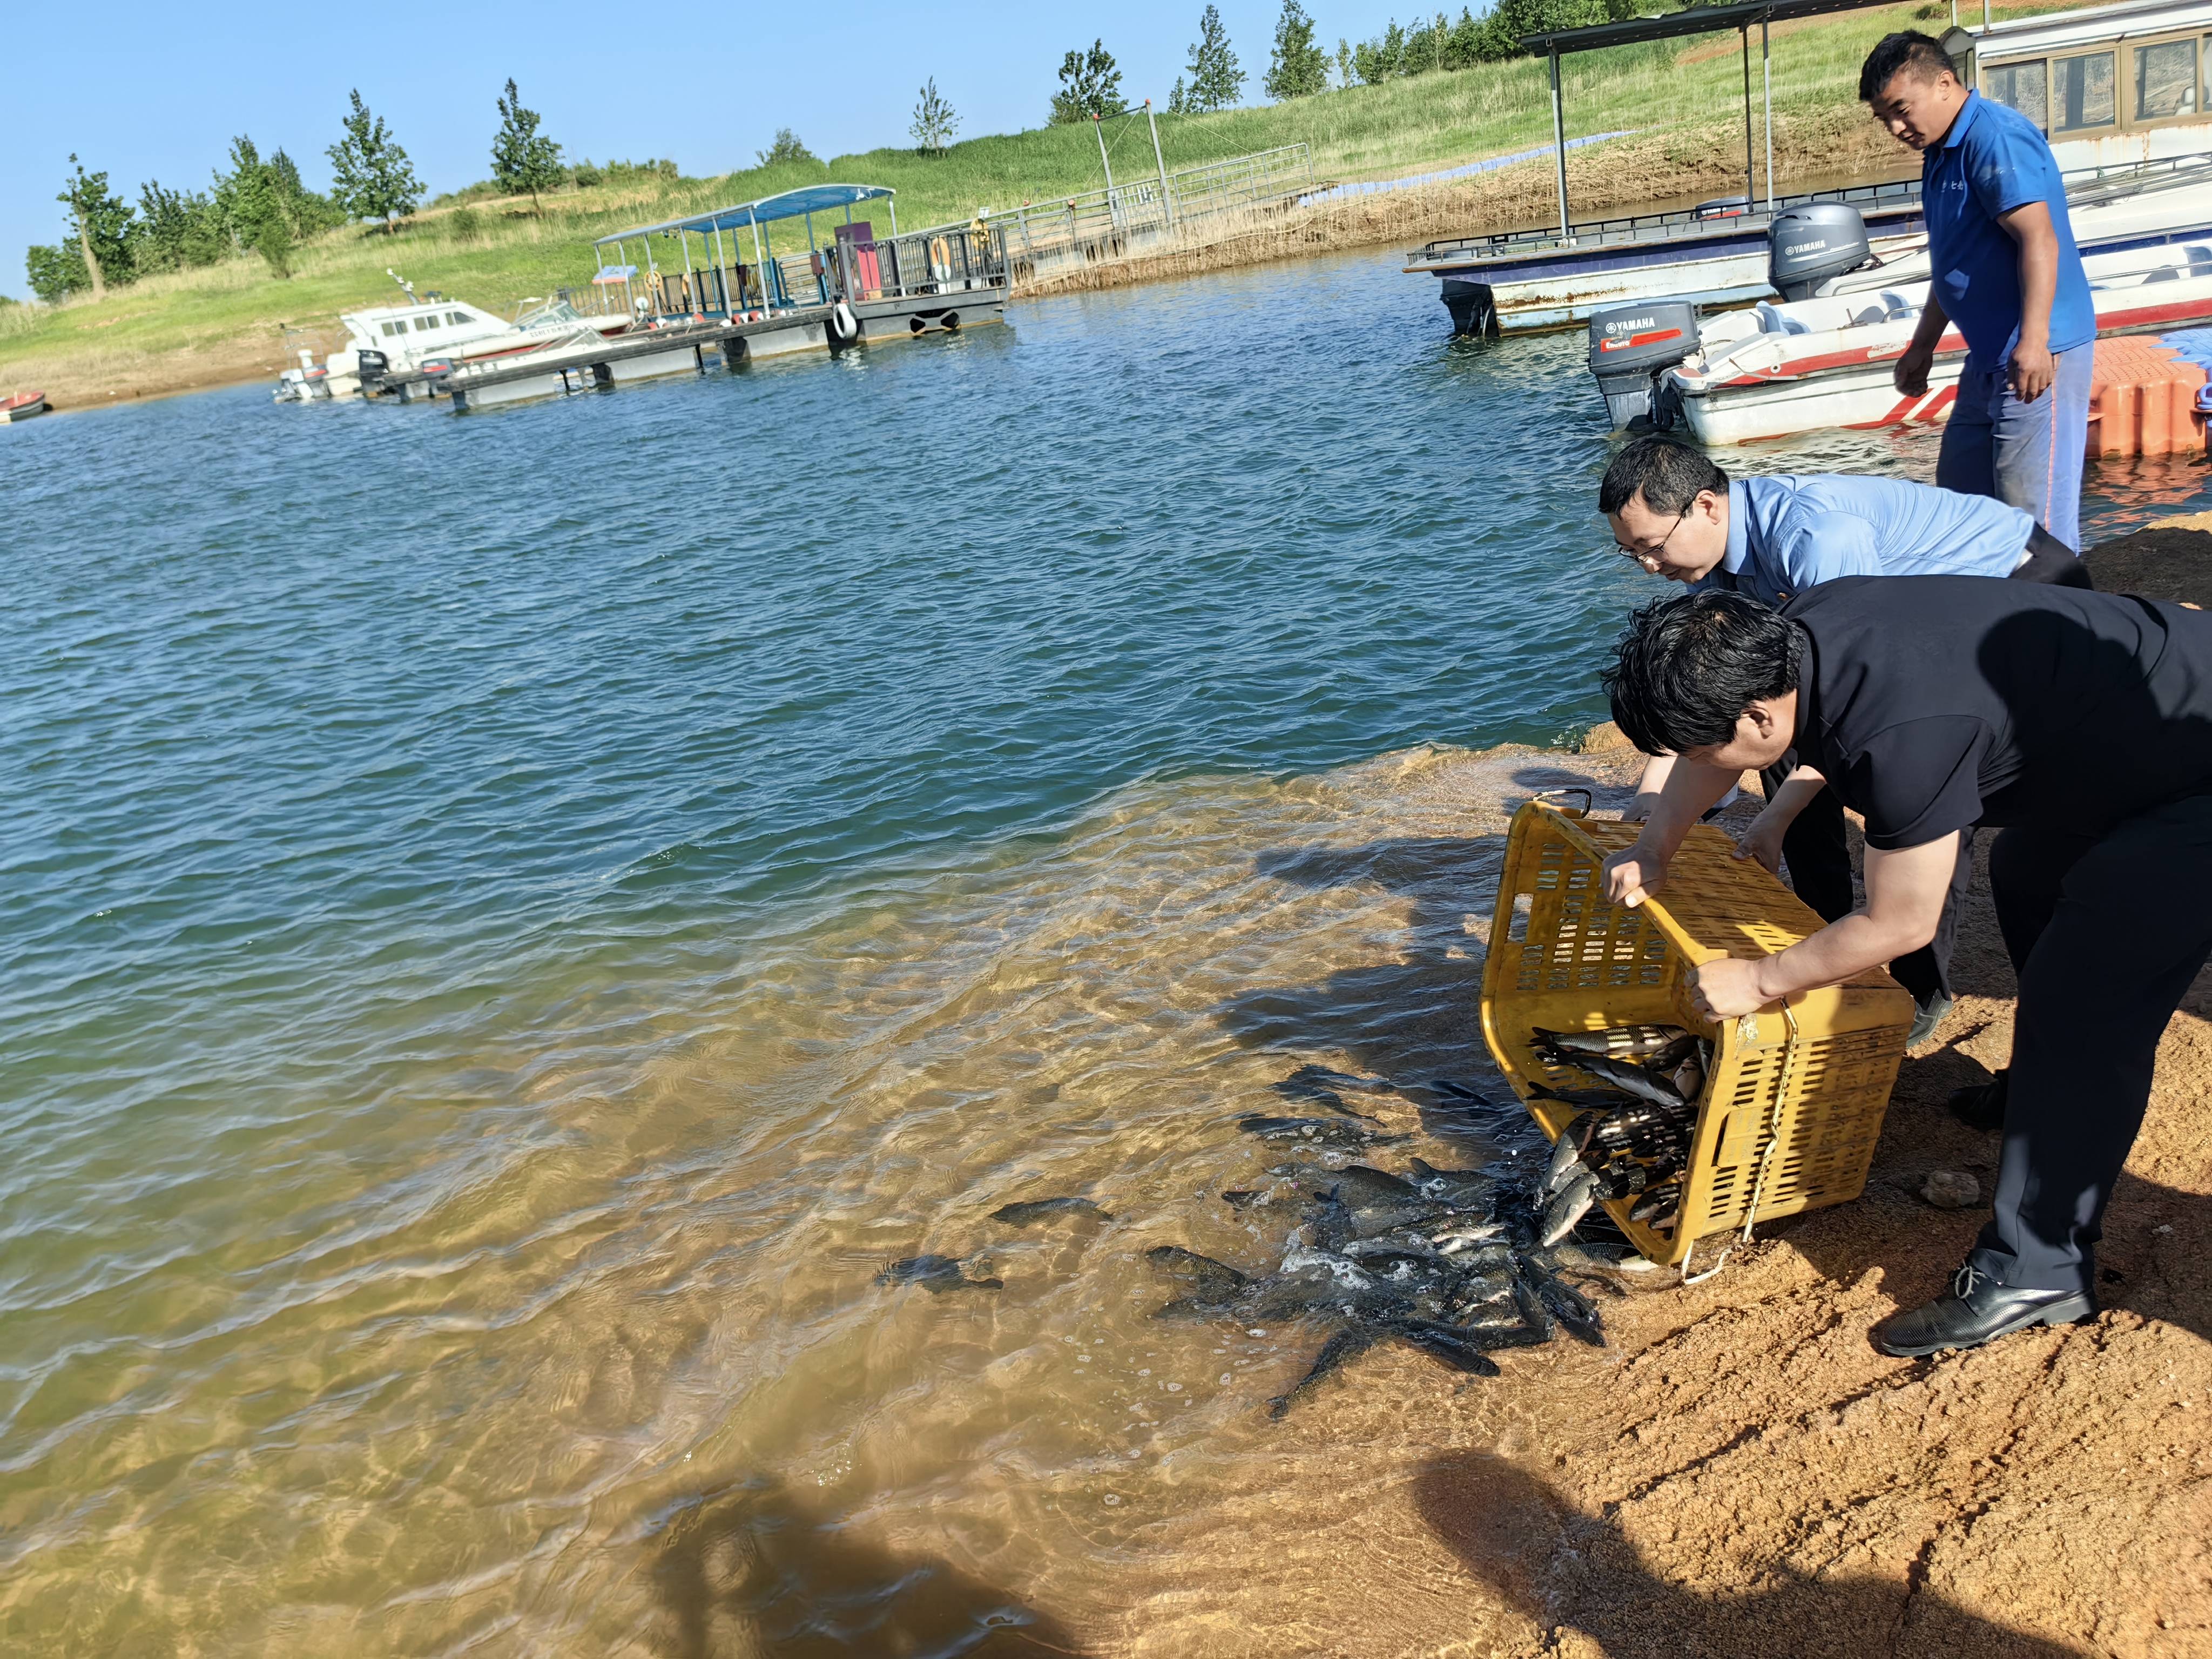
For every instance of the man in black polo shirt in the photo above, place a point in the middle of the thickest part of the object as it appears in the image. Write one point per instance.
(2078, 723)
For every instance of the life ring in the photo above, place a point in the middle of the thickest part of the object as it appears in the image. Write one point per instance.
(843, 325)
(940, 259)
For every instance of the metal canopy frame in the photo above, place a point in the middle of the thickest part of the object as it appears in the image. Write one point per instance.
(1697, 19)
(801, 203)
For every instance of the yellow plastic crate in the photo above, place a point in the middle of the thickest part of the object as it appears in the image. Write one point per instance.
(1795, 1099)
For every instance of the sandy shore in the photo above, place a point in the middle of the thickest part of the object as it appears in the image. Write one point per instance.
(1741, 1473)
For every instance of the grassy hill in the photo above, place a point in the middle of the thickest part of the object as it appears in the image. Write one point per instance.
(227, 321)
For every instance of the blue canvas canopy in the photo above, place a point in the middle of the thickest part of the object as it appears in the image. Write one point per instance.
(790, 205)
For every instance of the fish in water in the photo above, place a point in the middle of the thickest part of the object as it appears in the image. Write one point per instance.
(1044, 1209)
(936, 1275)
(1444, 1260)
(1323, 1087)
(1313, 1131)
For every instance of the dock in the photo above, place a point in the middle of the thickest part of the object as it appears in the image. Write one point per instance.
(724, 311)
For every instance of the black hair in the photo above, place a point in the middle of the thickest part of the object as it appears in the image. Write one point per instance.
(1907, 49)
(1668, 475)
(1688, 667)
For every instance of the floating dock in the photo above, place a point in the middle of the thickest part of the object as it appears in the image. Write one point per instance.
(2146, 398)
(724, 311)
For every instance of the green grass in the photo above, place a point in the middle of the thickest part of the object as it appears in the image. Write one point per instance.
(496, 253)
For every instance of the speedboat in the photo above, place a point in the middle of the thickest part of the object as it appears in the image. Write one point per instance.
(399, 339)
(1800, 366)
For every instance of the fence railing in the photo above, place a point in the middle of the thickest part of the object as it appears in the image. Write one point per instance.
(1040, 237)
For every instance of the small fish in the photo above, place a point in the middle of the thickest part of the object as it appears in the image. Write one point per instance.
(1457, 1348)
(1466, 1236)
(1324, 1088)
(1312, 1131)
(1622, 1040)
(1467, 1189)
(1210, 1280)
(1042, 1209)
(1243, 1198)
(1561, 1214)
(1627, 1078)
(1567, 1153)
(1343, 1347)
(1660, 1201)
(936, 1275)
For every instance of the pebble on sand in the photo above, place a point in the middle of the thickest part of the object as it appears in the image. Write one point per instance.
(1951, 1189)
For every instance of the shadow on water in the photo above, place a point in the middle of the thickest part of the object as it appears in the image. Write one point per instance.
(1560, 1568)
(747, 1570)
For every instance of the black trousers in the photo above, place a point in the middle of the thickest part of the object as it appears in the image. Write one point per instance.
(2106, 932)
(1819, 857)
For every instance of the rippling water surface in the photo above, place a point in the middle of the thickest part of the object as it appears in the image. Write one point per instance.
(509, 921)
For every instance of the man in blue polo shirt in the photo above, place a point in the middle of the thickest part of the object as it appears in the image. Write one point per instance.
(2005, 272)
(1679, 516)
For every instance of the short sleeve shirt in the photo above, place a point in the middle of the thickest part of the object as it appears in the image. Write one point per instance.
(1788, 535)
(1936, 705)
(1991, 162)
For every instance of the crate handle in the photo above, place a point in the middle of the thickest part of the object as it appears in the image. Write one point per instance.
(1590, 801)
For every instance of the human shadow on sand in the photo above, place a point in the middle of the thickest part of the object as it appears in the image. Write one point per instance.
(1566, 1571)
(747, 1569)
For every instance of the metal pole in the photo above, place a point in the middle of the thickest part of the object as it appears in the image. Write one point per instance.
(722, 270)
(894, 206)
(760, 259)
(1767, 69)
(1750, 171)
(1559, 140)
(1167, 208)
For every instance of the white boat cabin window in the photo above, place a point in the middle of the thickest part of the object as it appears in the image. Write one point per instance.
(2084, 94)
(2165, 80)
(457, 319)
(424, 324)
(395, 328)
(2023, 87)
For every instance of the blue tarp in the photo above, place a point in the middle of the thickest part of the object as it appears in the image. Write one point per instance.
(792, 204)
(2194, 343)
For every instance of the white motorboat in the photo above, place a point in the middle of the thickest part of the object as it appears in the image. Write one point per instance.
(1800, 366)
(404, 338)
(2120, 89)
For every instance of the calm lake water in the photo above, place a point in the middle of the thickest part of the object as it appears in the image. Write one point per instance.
(509, 921)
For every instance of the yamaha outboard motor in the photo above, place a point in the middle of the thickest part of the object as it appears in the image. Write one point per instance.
(1809, 247)
(1630, 347)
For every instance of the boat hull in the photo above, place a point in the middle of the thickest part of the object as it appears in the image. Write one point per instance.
(21, 409)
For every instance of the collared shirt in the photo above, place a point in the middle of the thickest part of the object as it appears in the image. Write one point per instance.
(1786, 535)
(1933, 706)
(1992, 160)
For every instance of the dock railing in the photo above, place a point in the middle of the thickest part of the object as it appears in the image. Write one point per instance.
(1147, 212)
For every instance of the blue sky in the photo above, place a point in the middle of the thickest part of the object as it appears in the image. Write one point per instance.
(169, 86)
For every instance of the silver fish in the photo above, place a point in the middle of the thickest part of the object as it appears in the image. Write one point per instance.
(1629, 1079)
(1622, 1040)
(1561, 1214)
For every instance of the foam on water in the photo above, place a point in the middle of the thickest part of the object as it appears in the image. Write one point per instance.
(510, 923)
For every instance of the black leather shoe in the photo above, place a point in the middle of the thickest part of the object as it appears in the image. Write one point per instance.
(1974, 1310)
(1983, 1106)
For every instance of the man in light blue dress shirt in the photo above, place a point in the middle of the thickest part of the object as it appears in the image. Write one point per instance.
(1679, 516)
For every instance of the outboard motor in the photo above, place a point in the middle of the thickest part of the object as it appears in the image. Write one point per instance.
(1808, 247)
(1630, 346)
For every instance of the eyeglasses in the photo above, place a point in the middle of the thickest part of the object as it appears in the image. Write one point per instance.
(1649, 557)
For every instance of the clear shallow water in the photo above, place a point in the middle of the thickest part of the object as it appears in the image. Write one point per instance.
(508, 921)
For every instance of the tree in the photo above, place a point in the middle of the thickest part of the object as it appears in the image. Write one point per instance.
(1178, 99)
(99, 225)
(370, 176)
(1299, 68)
(54, 272)
(252, 202)
(306, 212)
(178, 229)
(1216, 81)
(1344, 71)
(933, 120)
(1090, 87)
(521, 160)
(785, 148)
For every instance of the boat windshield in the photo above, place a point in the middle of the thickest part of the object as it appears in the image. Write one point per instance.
(546, 313)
